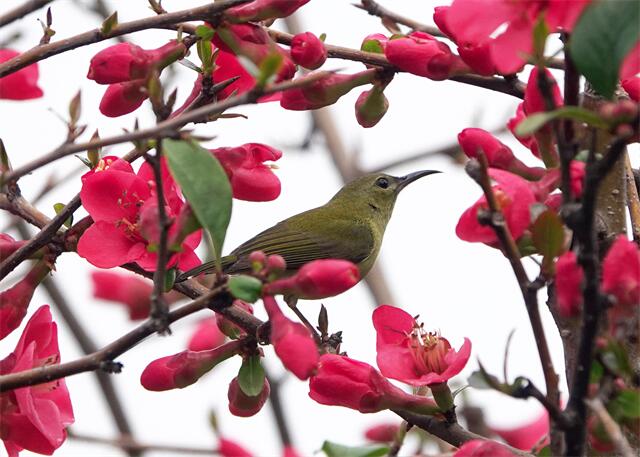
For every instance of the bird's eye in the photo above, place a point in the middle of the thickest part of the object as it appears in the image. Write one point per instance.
(382, 182)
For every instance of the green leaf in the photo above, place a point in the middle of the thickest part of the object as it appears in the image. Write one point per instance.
(204, 52)
(547, 233)
(323, 37)
(251, 376)
(531, 124)
(602, 38)
(626, 404)
(109, 23)
(339, 450)
(545, 452)
(268, 68)
(372, 46)
(205, 186)
(169, 279)
(482, 380)
(57, 207)
(245, 287)
(540, 34)
(204, 32)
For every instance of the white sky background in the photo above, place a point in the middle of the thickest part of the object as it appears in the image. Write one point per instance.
(462, 289)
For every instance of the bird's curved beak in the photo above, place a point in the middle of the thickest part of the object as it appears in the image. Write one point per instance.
(404, 181)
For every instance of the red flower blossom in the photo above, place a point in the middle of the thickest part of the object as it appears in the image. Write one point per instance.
(317, 279)
(533, 100)
(260, 10)
(514, 196)
(123, 98)
(569, 277)
(15, 300)
(474, 23)
(383, 433)
(409, 354)
(421, 54)
(341, 381)
(292, 342)
(621, 272)
(228, 448)
(241, 404)
(499, 155)
(308, 51)
(125, 61)
(527, 141)
(185, 368)
(8, 245)
(483, 448)
(35, 418)
(206, 336)
(115, 196)
(290, 452)
(631, 64)
(324, 91)
(21, 85)
(250, 178)
(371, 106)
(526, 436)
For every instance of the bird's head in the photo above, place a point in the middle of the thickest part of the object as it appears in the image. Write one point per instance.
(375, 193)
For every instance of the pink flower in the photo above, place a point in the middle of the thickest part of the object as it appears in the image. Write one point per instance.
(421, 54)
(632, 87)
(132, 291)
(533, 99)
(341, 381)
(409, 354)
(8, 245)
(308, 51)
(324, 91)
(317, 279)
(383, 433)
(206, 336)
(15, 300)
(185, 368)
(35, 418)
(292, 342)
(499, 155)
(250, 178)
(631, 64)
(514, 196)
(371, 106)
(228, 448)
(474, 23)
(260, 10)
(526, 436)
(621, 272)
(483, 448)
(241, 404)
(22, 84)
(569, 276)
(528, 141)
(290, 451)
(115, 197)
(125, 61)
(123, 98)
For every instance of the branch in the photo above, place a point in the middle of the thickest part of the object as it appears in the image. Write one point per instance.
(275, 401)
(611, 427)
(633, 201)
(203, 13)
(129, 444)
(21, 11)
(375, 9)
(169, 127)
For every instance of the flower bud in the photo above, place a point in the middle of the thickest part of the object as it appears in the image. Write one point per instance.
(478, 57)
(483, 448)
(632, 87)
(242, 405)
(260, 10)
(206, 336)
(123, 98)
(440, 18)
(533, 100)
(290, 451)
(228, 448)
(292, 342)
(308, 51)
(8, 245)
(324, 91)
(421, 54)
(317, 279)
(383, 433)
(250, 178)
(276, 264)
(132, 291)
(371, 106)
(227, 327)
(126, 62)
(621, 272)
(15, 300)
(22, 84)
(341, 381)
(185, 368)
(569, 276)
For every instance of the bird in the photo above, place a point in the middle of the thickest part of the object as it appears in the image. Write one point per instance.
(350, 226)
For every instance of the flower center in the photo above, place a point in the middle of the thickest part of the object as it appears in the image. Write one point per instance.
(429, 350)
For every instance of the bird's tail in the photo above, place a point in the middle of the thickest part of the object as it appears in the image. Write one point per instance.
(206, 268)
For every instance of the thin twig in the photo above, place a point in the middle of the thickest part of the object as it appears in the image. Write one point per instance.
(375, 9)
(275, 401)
(129, 444)
(633, 201)
(21, 11)
(611, 427)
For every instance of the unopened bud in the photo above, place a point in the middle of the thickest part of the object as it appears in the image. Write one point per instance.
(241, 404)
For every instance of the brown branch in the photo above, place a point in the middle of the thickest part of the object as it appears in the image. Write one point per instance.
(375, 9)
(611, 427)
(129, 444)
(633, 200)
(208, 12)
(21, 11)
(275, 402)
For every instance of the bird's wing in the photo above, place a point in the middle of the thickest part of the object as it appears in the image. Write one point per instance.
(300, 246)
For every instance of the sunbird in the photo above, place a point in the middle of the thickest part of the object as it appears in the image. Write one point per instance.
(350, 226)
